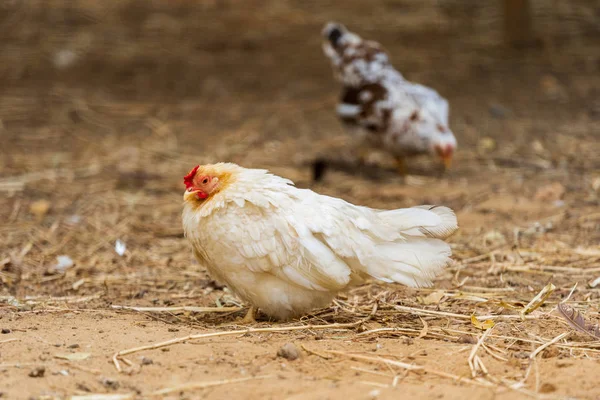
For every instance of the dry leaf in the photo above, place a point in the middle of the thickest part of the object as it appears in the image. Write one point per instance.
(39, 208)
(576, 320)
(433, 298)
(509, 306)
(487, 324)
(73, 356)
(538, 300)
(486, 145)
(467, 296)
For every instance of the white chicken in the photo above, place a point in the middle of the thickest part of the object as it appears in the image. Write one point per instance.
(287, 251)
(399, 116)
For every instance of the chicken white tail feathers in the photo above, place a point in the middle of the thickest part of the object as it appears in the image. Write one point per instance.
(414, 262)
(422, 221)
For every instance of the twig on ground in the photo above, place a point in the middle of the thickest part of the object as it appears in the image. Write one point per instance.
(550, 343)
(410, 367)
(120, 354)
(474, 361)
(202, 385)
(175, 309)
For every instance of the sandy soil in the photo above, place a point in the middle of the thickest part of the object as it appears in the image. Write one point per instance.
(94, 152)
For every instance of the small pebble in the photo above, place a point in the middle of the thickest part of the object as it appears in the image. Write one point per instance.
(73, 346)
(37, 372)
(5, 331)
(289, 351)
(499, 111)
(466, 339)
(110, 383)
(550, 352)
(83, 386)
(547, 387)
(147, 361)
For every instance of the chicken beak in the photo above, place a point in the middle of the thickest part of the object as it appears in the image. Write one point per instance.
(187, 195)
(194, 193)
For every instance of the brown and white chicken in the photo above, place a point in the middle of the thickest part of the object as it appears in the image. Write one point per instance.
(287, 251)
(402, 117)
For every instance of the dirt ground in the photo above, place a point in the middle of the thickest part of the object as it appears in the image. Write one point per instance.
(105, 106)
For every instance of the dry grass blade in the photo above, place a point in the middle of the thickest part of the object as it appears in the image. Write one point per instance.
(411, 367)
(20, 365)
(420, 311)
(183, 308)
(425, 329)
(474, 362)
(408, 331)
(570, 293)
(102, 396)
(550, 343)
(577, 322)
(326, 357)
(202, 385)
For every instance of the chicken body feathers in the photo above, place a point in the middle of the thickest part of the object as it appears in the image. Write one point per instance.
(403, 117)
(288, 250)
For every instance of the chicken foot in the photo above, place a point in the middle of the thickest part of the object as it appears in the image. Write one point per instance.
(250, 317)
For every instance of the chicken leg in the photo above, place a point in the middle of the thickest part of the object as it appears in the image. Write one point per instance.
(362, 156)
(401, 166)
(250, 317)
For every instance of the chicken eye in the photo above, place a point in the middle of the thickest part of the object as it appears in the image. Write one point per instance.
(204, 181)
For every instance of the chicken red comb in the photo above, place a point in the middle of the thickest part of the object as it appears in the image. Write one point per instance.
(188, 179)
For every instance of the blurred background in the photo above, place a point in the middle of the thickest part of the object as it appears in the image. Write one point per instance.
(106, 105)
